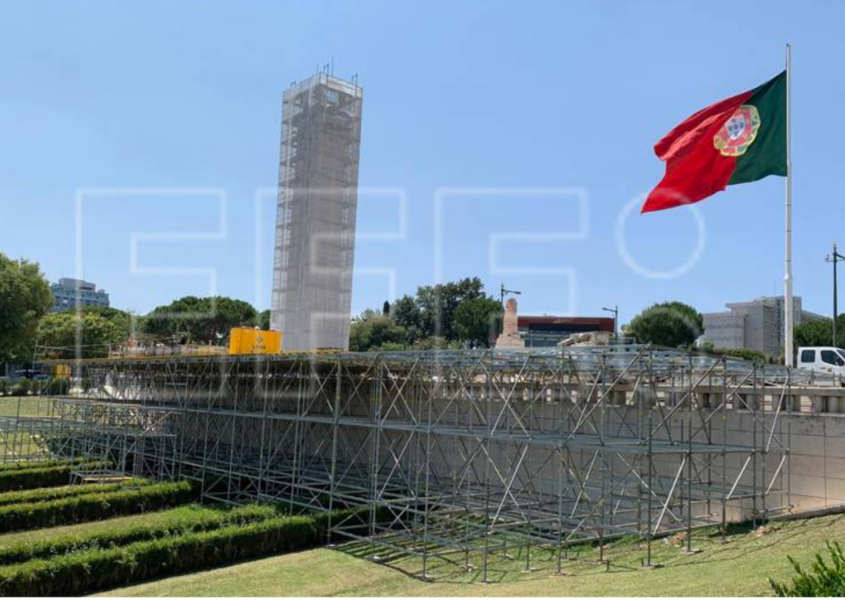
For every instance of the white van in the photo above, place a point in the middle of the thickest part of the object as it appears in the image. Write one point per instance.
(822, 358)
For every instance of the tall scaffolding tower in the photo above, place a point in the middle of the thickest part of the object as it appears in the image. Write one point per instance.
(317, 203)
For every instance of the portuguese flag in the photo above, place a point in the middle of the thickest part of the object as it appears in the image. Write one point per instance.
(737, 140)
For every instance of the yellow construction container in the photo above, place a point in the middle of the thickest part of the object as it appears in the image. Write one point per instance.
(61, 371)
(254, 341)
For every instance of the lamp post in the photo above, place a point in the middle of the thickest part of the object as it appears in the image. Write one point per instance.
(834, 258)
(615, 311)
(504, 291)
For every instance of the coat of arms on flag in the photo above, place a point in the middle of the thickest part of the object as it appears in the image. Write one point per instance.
(738, 132)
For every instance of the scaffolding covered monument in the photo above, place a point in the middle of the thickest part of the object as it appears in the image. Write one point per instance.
(315, 222)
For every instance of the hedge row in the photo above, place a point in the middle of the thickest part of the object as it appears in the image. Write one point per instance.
(98, 569)
(38, 464)
(84, 572)
(54, 493)
(38, 477)
(94, 506)
(200, 520)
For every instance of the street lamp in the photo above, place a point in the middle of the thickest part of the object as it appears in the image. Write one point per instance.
(834, 258)
(504, 291)
(615, 311)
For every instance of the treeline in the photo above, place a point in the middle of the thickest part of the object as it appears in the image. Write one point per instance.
(26, 321)
(456, 314)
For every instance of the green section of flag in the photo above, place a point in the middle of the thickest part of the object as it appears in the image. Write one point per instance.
(767, 154)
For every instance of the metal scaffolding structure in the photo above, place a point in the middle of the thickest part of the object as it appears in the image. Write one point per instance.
(456, 453)
(317, 204)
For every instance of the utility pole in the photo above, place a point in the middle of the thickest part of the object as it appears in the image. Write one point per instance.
(615, 311)
(834, 257)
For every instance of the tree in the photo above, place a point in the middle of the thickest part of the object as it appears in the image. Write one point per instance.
(671, 324)
(264, 320)
(407, 314)
(427, 320)
(372, 331)
(200, 320)
(818, 333)
(122, 319)
(438, 304)
(477, 320)
(25, 297)
(83, 334)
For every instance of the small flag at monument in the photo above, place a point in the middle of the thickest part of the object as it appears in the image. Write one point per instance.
(737, 140)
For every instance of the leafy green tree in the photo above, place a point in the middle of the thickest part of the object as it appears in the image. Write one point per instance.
(372, 330)
(819, 333)
(407, 314)
(477, 320)
(83, 334)
(122, 319)
(25, 297)
(671, 324)
(200, 320)
(438, 304)
(264, 320)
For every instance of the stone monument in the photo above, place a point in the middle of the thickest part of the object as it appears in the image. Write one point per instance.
(510, 337)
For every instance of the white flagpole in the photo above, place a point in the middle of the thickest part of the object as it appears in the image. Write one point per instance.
(787, 280)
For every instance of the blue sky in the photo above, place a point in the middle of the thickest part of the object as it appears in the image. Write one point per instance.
(515, 135)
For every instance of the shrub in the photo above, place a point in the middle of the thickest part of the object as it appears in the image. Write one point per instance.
(40, 464)
(57, 387)
(21, 388)
(823, 579)
(93, 507)
(83, 572)
(194, 521)
(46, 494)
(38, 477)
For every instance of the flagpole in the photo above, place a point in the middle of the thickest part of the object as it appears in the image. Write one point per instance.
(787, 280)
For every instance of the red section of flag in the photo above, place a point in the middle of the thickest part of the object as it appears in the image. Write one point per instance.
(695, 169)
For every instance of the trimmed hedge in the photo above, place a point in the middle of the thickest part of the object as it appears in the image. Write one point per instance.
(54, 493)
(38, 464)
(92, 570)
(136, 532)
(37, 477)
(94, 506)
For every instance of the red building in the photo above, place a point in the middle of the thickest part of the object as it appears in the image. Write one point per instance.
(549, 330)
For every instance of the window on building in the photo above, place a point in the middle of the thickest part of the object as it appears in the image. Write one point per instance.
(832, 358)
(808, 356)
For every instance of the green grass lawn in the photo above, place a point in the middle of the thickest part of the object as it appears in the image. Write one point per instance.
(738, 567)
(25, 406)
(165, 517)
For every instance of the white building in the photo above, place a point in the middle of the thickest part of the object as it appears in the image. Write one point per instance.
(757, 325)
(72, 293)
(315, 224)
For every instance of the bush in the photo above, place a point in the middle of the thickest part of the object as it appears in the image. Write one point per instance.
(40, 464)
(46, 494)
(38, 477)
(135, 532)
(57, 387)
(21, 388)
(743, 353)
(824, 580)
(93, 507)
(91, 570)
